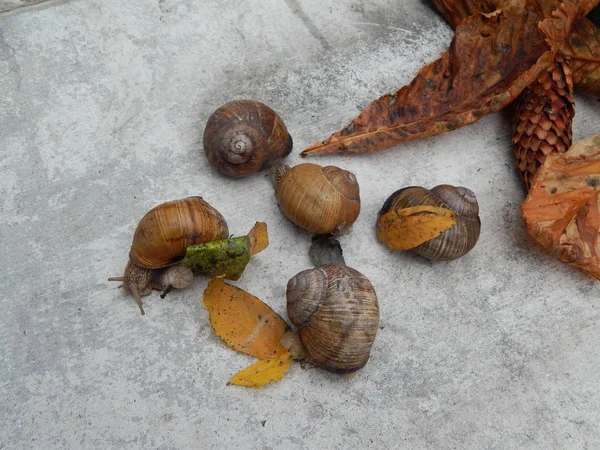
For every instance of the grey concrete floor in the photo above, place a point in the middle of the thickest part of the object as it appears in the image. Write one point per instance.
(102, 110)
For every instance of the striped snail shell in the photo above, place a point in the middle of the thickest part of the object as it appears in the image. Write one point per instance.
(243, 136)
(160, 242)
(456, 241)
(322, 200)
(335, 310)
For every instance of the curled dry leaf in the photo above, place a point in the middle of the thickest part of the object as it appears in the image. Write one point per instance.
(507, 50)
(582, 45)
(455, 11)
(263, 372)
(410, 227)
(242, 321)
(583, 49)
(561, 211)
(258, 237)
(227, 257)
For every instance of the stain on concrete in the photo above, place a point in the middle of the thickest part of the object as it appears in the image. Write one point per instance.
(26, 5)
(296, 8)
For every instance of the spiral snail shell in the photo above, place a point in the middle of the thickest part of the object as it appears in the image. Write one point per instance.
(242, 136)
(451, 244)
(160, 242)
(322, 200)
(335, 310)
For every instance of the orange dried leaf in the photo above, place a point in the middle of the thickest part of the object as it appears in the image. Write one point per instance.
(561, 211)
(507, 50)
(242, 321)
(582, 45)
(259, 239)
(455, 11)
(409, 227)
(263, 372)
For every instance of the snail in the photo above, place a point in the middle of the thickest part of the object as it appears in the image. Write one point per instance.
(242, 136)
(322, 200)
(455, 241)
(335, 310)
(160, 242)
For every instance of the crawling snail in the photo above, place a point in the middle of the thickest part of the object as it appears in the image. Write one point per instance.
(335, 310)
(322, 200)
(160, 242)
(242, 136)
(454, 242)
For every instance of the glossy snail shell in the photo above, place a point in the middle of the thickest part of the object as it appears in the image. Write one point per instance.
(242, 136)
(336, 312)
(167, 230)
(160, 241)
(322, 200)
(458, 240)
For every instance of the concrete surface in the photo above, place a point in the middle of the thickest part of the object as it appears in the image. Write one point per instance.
(9, 5)
(101, 115)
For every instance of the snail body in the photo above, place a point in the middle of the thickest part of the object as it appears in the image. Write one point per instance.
(335, 310)
(322, 200)
(160, 242)
(242, 136)
(452, 243)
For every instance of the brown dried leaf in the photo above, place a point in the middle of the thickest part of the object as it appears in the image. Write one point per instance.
(561, 211)
(507, 51)
(583, 48)
(455, 11)
(582, 45)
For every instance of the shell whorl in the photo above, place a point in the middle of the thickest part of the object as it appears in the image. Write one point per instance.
(305, 292)
(343, 181)
(242, 136)
(239, 141)
(460, 199)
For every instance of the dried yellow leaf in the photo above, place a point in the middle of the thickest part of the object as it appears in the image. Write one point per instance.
(259, 239)
(409, 227)
(242, 321)
(263, 372)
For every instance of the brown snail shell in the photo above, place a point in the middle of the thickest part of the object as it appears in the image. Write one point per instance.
(242, 136)
(160, 241)
(322, 200)
(336, 312)
(167, 230)
(458, 240)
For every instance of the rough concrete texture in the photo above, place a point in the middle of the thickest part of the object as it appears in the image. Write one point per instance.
(102, 111)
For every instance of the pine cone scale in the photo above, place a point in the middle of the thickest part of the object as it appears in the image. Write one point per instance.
(543, 121)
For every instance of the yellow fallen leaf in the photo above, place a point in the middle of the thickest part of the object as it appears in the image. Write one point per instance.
(409, 227)
(242, 321)
(263, 372)
(259, 239)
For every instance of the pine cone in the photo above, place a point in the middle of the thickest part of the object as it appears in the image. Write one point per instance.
(543, 119)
